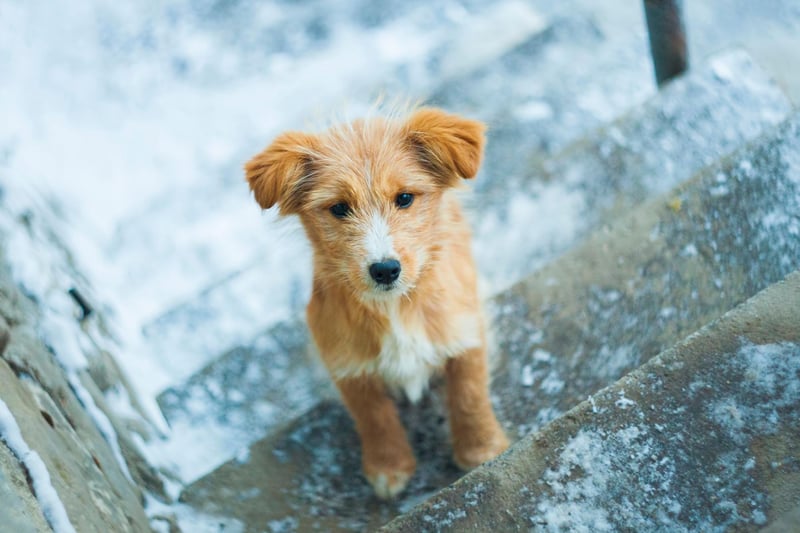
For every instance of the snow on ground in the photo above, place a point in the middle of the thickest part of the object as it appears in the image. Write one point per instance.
(648, 472)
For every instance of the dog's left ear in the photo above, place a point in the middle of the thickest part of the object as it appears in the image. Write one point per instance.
(449, 146)
(279, 174)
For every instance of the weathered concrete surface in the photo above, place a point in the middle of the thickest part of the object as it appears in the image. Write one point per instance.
(252, 389)
(19, 509)
(696, 120)
(631, 291)
(55, 420)
(307, 477)
(82, 468)
(704, 437)
(690, 124)
(652, 277)
(545, 106)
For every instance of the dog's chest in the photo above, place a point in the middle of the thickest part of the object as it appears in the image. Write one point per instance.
(407, 359)
(407, 356)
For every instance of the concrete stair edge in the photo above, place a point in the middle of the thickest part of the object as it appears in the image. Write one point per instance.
(769, 317)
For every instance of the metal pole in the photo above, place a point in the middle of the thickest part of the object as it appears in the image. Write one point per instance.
(667, 38)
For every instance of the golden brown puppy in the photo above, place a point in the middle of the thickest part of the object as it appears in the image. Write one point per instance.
(394, 297)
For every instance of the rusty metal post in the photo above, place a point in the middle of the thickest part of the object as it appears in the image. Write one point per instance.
(667, 38)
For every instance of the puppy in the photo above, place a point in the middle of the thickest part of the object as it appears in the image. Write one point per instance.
(394, 297)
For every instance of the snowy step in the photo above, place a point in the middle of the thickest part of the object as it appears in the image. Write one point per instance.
(704, 437)
(552, 89)
(240, 397)
(629, 292)
(650, 278)
(308, 475)
(525, 221)
(695, 120)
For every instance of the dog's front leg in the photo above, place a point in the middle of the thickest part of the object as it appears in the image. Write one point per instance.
(386, 456)
(477, 436)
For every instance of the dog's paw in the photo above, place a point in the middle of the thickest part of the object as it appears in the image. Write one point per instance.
(469, 456)
(387, 485)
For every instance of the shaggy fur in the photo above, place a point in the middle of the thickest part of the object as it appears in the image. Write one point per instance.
(349, 186)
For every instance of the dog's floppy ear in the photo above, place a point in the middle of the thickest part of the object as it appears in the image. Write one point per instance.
(277, 175)
(449, 146)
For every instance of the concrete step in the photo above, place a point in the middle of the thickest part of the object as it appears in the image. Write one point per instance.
(557, 201)
(630, 291)
(650, 278)
(552, 89)
(521, 223)
(240, 397)
(703, 437)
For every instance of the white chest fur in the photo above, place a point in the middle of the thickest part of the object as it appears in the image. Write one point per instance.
(407, 360)
(408, 357)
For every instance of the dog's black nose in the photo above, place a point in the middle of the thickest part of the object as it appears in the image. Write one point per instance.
(385, 272)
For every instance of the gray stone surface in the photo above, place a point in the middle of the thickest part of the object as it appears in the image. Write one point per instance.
(54, 419)
(246, 389)
(691, 123)
(4, 334)
(632, 290)
(308, 474)
(82, 468)
(651, 277)
(694, 120)
(19, 509)
(536, 105)
(704, 437)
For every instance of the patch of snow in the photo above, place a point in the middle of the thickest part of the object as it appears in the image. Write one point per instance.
(690, 250)
(100, 420)
(518, 20)
(50, 502)
(550, 215)
(181, 455)
(595, 467)
(527, 377)
(771, 371)
(188, 519)
(569, 509)
(534, 110)
(667, 313)
(622, 402)
(552, 384)
(285, 525)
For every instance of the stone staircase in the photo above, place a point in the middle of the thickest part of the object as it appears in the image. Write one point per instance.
(681, 209)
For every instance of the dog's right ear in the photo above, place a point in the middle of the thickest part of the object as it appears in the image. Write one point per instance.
(278, 174)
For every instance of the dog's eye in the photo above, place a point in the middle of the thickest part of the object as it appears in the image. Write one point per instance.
(404, 200)
(340, 210)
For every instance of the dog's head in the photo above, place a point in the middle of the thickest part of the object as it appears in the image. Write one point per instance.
(370, 194)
